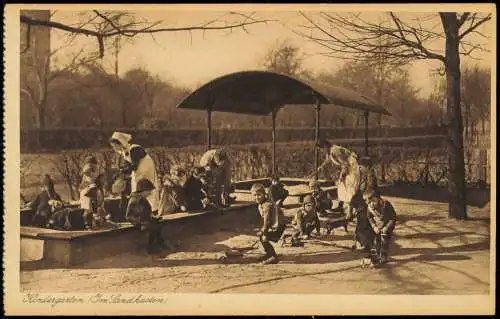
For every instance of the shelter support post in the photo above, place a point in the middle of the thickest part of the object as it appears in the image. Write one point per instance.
(316, 137)
(209, 129)
(366, 132)
(274, 142)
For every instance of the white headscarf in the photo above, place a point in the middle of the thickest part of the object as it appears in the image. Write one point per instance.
(123, 138)
(343, 156)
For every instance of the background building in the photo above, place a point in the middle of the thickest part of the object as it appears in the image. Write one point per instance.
(34, 67)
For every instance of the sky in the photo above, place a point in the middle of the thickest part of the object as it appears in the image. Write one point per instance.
(191, 59)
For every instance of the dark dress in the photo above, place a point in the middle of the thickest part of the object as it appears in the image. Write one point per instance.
(193, 192)
(278, 193)
(68, 219)
(41, 208)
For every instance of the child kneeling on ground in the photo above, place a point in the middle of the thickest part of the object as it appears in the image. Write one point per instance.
(306, 219)
(140, 214)
(273, 223)
(382, 218)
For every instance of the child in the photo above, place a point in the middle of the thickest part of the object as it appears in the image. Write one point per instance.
(92, 203)
(67, 218)
(277, 191)
(193, 189)
(322, 198)
(217, 161)
(306, 219)
(140, 214)
(273, 223)
(172, 197)
(90, 173)
(382, 218)
(45, 203)
(210, 186)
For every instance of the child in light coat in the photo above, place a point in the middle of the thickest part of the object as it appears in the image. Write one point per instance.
(273, 223)
(306, 219)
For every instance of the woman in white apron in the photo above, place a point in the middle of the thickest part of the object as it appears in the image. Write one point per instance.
(354, 180)
(143, 171)
(141, 164)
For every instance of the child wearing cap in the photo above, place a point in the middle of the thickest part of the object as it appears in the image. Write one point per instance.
(382, 218)
(273, 223)
(306, 219)
(277, 191)
(140, 213)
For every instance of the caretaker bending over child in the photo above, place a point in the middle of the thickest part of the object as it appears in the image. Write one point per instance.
(140, 164)
(142, 209)
(356, 178)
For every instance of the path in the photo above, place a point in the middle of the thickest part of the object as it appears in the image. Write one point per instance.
(431, 254)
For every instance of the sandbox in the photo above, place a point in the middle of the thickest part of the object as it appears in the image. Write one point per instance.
(55, 248)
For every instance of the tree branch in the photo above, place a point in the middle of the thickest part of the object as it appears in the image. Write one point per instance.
(474, 26)
(129, 32)
(463, 18)
(363, 40)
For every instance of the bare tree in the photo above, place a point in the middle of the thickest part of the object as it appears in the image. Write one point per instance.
(476, 93)
(284, 58)
(352, 36)
(37, 75)
(103, 25)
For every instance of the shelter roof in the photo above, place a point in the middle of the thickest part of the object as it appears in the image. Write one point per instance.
(261, 92)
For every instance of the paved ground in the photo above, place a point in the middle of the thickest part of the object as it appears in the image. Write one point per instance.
(431, 254)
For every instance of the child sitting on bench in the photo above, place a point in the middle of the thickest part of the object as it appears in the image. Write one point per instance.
(195, 190)
(277, 191)
(44, 203)
(172, 197)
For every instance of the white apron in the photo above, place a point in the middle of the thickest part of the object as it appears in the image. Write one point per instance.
(146, 169)
(349, 185)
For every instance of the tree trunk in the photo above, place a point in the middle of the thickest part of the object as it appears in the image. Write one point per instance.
(456, 173)
(41, 115)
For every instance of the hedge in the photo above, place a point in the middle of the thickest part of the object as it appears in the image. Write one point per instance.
(49, 140)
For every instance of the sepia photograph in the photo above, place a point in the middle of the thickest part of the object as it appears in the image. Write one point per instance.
(315, 157)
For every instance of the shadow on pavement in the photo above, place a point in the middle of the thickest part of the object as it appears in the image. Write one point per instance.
(475, 196)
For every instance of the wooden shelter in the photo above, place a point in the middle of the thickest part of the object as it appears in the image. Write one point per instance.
(264, 93)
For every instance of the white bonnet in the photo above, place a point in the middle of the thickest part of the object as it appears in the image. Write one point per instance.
(123, 138)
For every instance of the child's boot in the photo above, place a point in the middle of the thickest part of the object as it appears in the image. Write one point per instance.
(271, 260)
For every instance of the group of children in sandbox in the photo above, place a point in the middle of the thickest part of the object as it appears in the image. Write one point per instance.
(209, 185)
